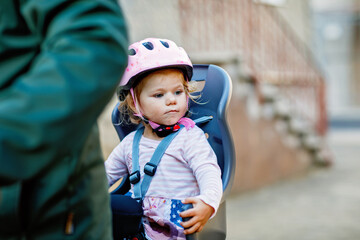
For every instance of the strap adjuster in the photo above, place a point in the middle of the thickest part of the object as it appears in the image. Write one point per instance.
(135, 177)
(150, 169)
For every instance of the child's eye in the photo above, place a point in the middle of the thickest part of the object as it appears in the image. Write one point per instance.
(158, 95)
(178, 92)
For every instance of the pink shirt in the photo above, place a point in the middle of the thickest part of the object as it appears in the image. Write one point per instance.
(188, 168)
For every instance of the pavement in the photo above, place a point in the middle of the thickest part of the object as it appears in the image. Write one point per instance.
(323, 204)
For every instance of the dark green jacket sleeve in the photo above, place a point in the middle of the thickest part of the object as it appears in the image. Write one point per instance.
(57, 74)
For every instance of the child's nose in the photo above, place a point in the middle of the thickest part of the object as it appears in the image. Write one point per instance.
(171, 99)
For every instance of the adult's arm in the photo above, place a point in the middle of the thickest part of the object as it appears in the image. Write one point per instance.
(47, 111)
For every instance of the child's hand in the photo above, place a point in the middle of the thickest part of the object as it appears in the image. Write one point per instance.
(200, 214)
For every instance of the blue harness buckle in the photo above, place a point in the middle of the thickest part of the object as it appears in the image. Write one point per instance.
(135, 177)
(150, 169)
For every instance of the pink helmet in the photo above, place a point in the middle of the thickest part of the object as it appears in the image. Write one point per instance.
(152, 54)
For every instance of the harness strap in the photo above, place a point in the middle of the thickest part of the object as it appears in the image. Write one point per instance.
(135, 175)
(141, 187)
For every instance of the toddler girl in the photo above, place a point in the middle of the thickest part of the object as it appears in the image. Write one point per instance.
(154, 91)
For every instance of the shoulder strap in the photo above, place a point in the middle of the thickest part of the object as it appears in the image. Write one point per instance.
(135, 175)
(140, 188)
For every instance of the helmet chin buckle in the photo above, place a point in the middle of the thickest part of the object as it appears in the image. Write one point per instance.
(164, 130)
(161, 130)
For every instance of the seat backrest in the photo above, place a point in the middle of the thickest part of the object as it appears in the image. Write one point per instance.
(213, 101)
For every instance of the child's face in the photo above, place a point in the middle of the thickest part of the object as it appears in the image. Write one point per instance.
(163, 99)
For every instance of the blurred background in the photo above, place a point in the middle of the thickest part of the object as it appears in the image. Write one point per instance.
(295, 108)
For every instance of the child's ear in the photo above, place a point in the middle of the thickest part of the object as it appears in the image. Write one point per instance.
(131, 104)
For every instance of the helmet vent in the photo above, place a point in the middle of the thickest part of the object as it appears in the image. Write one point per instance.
(132, 52)
(165, 44)
(148, 45)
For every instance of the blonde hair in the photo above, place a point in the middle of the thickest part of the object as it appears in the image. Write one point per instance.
(127, 106)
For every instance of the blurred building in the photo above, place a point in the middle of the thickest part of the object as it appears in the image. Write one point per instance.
(336, 38)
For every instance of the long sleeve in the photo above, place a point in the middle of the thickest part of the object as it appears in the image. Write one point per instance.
(116, 164)
(203, 162)
(56, 77)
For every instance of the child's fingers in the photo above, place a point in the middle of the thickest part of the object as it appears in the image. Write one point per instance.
(188, 213)
(190, 200)
(195, 228)
(192, 221)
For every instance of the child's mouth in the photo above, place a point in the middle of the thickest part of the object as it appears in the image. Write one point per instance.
(172, 111)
